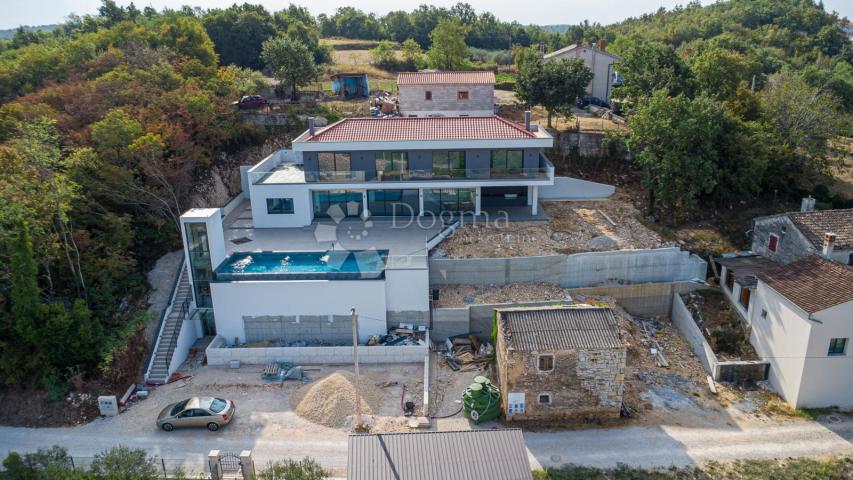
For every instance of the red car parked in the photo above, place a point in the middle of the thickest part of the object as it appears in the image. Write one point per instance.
(250, 101)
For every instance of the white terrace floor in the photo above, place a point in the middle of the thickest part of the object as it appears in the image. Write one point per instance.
(400, 239)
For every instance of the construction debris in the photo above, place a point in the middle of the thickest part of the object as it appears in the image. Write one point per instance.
(464, 350)
(331, 400)
(383, 105)
(281, 371)
(403, 334)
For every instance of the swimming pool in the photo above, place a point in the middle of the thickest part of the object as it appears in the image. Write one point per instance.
(326, 265)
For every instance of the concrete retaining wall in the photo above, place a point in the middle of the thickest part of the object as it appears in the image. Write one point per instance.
(218, 354)
(576, 270)
(719, 371)
(567, 188)
(650, 299)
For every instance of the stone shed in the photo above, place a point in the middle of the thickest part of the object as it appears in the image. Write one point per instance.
(560, 363)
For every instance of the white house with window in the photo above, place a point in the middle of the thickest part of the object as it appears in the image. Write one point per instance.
(738, 278)
(802, 323)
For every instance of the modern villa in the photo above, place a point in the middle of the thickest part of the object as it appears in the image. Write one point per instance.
(343, 219)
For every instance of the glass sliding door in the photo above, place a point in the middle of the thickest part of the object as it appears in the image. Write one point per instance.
(392, 166)
(349, 202)
(387, 203)
(454, 200)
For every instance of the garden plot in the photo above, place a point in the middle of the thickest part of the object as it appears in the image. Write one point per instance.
(721, 325)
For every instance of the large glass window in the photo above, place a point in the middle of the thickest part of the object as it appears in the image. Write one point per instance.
(334, 165)
(392, 165)
(448, 164)
(279, 205)
(200, 263)
(506, 162)
(449, 200)
(331, 203)
(387, 203)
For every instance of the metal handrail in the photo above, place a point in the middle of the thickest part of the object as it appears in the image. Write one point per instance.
(151, 351)
(182, 315)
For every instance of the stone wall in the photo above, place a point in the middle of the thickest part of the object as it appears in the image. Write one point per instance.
(584, 384)
(791, 246)
(218, 354)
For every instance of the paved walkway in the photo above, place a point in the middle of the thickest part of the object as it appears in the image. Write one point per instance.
(636, 446)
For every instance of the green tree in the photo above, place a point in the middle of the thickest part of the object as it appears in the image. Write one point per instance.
(305, 469)
(647, 66)
(671, 138)
(187, 37)
(25, 295)
(719, 72)
(555, 84)
(412, 53)
(238, 32)
(383, 54)
(290, 62)
(801, 122)
(113, 134)
(448, 50)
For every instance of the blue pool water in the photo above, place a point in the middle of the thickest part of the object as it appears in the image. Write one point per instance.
(333, 265)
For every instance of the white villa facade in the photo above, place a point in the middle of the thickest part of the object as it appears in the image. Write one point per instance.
(343, 219)
(802, 323)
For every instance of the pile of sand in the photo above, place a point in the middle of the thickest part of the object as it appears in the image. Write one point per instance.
(330, 400)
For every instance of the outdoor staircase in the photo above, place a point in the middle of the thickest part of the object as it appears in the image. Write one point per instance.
(170, 330)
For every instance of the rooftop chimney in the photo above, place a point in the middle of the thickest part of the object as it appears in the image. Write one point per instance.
(527, 120)
(807, 205)
(828, 244)
(311, 129)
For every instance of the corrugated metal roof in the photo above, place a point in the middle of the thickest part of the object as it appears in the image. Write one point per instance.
(421, 128)
(446, 78)
(465, 455)
(560, 328)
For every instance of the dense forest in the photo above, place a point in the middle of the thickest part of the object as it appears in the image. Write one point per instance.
(110, 124)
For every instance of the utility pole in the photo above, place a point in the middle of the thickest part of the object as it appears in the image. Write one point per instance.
(358, 424)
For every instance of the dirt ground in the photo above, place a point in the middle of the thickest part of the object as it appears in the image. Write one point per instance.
(581, 119)
(720, 324)
(573, 227)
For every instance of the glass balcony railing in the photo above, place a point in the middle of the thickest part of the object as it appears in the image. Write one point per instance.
(296, 174)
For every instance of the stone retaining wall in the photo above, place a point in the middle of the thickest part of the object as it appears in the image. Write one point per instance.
(219, 354)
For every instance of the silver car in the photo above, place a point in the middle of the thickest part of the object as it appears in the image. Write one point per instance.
(207, 412)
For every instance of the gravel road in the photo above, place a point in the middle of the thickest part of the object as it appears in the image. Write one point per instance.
(636, 446)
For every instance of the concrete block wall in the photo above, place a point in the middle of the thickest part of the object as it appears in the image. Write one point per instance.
(576, 270)
(414, 317)
(219, 354)
(333, 329)
(447, 322)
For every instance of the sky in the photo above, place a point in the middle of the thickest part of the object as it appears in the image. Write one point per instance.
(542, 12)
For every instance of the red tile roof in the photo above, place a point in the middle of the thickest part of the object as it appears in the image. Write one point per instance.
(812, 283)
(814, 224)
(421, 128)
(446, 78)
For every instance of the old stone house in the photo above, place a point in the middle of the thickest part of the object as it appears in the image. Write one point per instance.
(560, 363)
(423, 94)
(790, 236)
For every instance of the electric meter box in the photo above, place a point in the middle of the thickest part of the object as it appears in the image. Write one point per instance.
(108, 404)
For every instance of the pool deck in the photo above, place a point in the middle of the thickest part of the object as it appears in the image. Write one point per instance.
(406, 244)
